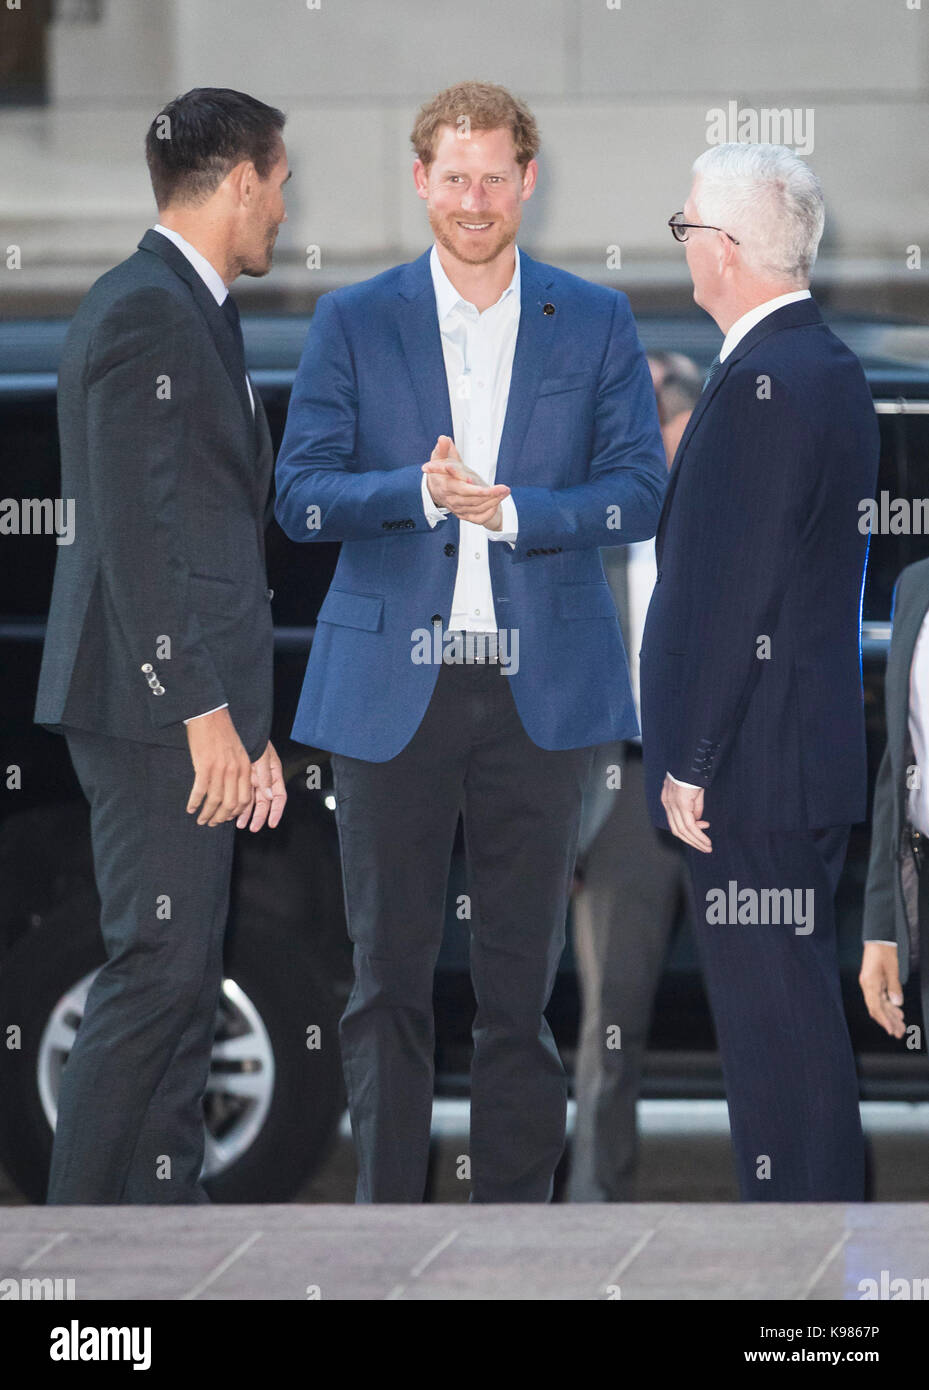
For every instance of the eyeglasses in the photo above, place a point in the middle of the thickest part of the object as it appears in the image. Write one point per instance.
(679, 228)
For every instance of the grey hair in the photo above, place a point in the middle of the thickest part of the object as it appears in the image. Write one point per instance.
(769, 199)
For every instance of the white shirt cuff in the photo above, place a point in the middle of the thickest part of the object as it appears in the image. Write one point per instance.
(433, 513)
(205, 713)
(693, 786)
(509, 522)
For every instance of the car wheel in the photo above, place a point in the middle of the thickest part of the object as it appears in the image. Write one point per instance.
(272, 1103)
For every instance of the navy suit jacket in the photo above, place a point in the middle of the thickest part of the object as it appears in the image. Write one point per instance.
(580, 450)
(751, 656)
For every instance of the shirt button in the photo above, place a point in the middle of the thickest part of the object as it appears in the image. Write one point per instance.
(477, 554)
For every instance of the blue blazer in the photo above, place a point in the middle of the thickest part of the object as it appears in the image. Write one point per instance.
(751, 656)
(580, 440)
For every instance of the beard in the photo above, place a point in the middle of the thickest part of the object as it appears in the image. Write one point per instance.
(456, 242)
(257, 267)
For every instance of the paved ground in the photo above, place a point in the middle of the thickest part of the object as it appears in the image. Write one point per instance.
(644, 1251)
(687, 1238)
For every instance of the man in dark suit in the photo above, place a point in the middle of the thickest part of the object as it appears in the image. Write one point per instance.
(467, 656)
(896, 904)
(158, 652)
(752, 710)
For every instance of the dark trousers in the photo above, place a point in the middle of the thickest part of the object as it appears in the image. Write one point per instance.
(635, 878)
(130, 1113)
(521, 811)
(776, 1000)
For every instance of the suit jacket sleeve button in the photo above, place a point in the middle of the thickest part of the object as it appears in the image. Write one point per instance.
(147, 667)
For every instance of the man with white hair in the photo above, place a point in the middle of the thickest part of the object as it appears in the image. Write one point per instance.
(752, 710)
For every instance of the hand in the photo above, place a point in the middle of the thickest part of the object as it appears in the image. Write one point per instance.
(222, 786)
(270, 794)
(880, 985)
(452, 484)
(684, 807)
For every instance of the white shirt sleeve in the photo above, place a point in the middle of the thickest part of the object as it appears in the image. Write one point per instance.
(509, 527)
(205, 713)
(693, 786)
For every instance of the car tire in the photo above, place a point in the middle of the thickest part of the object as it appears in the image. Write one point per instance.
(268, 967)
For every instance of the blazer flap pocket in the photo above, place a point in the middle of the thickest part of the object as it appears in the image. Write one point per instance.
(586, 601)
(210, 594)
(352, 610)
(552, 385)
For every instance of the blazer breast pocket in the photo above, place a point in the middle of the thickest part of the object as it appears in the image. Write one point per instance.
(345, 609)
(574, 381)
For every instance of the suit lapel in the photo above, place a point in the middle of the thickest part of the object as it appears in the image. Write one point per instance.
(533, 346)
(422, 346)
(216, 320)
(797, 315)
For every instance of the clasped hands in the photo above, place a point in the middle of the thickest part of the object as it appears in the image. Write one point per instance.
(227, 786)
(454, 485)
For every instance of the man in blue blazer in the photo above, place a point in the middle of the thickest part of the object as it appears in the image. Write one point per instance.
(752, 710)
(472, 427)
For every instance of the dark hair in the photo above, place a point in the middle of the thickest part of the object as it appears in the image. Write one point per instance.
(197, 138)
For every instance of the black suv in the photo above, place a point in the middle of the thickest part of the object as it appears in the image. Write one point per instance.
(275, 1089)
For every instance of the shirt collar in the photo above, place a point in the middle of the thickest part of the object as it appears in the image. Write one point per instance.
(761, 311)
(207, 272)
(447, 297)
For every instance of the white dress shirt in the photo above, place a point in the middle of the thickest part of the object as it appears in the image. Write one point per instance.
(732, 339)
(641, 572)
(478, 350)
(218, 289)
(918, 800)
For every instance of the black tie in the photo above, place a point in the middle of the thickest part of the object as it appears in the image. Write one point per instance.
(714, 368)
(231, 310)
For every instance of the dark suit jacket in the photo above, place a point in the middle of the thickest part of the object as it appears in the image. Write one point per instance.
(759, 539)
(890, 903)
(170, 475)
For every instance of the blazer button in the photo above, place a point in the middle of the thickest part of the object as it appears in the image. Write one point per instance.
(449, 549)
(269, 594)
(658, 577)
(436, 618)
